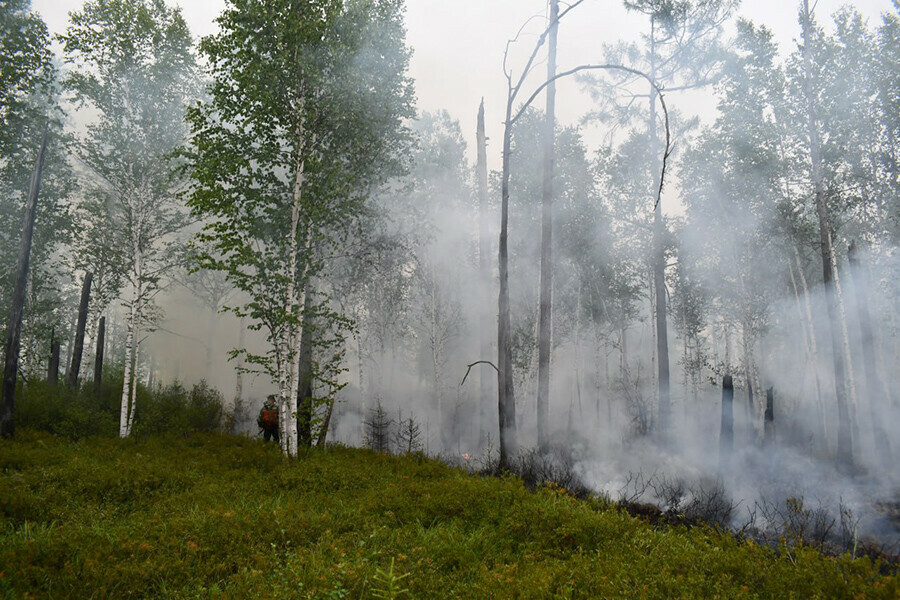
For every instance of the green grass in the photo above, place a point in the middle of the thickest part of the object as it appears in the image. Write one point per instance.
(215, 516)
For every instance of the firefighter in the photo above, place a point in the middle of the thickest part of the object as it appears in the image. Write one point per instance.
(268, 419)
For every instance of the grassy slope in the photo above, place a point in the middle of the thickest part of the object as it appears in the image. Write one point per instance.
(218, 516)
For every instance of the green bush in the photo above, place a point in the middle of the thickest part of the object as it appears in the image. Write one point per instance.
(90, 411)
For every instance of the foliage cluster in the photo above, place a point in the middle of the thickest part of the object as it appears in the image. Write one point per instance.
(89, 411)
(216, 516)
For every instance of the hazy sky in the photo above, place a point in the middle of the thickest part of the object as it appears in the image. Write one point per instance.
(458, 46)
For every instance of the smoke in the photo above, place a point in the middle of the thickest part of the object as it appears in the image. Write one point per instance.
(745, 301)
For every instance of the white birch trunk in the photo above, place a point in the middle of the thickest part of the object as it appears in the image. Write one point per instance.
(134, 372)
(126, 417)
(289, 372)
(126, 380)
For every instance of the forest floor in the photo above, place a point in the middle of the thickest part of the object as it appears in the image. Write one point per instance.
(215, 516)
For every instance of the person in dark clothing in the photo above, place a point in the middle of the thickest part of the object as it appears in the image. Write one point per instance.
(268, 419)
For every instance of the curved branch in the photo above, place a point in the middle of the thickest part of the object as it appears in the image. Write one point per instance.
(613, 67)
(477, 362)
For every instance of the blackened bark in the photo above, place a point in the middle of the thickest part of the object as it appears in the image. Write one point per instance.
(14, 330)
(769, 427)
(726, 433)
(98, 362)
(75, 367)
(53, 366)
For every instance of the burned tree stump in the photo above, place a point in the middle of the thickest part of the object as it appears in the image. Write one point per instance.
(726, 435)
(53, 366)
(75, 367)
(769, 430)
(98, 363)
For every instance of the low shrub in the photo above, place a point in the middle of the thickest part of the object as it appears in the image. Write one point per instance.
(216, 516)
(92, 411)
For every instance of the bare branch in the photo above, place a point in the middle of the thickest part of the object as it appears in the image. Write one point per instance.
(477, 362)
(514, 91)
(612, 67)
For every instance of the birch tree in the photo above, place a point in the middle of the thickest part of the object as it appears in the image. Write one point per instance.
(131, 64)
(303, 123)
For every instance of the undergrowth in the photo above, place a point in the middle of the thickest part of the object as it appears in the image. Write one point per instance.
(216, 516)
(90, 410)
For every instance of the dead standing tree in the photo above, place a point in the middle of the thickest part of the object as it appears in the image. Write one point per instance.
(484, 267)
(506, 394)
(75, 366)
(7, 395)
(546, 301)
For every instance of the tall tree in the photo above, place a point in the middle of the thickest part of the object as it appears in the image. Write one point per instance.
(484, 270)
(546, 301)
(304, 122)
(811, 92)
(681, 51)
(734, 183)
(11, 363)
(28, 100)
(132, 64)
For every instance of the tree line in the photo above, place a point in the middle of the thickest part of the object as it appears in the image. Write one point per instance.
(279, 169)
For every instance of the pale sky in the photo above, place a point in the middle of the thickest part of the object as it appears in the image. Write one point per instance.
(458, 47)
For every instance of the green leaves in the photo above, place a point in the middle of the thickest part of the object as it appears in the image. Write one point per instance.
(306, 111)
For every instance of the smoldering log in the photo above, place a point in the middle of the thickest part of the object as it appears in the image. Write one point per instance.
(726, 435)
(98, 362)
(75, 367)
(14, 330)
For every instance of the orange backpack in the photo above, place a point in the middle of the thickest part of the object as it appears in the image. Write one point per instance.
(269, 418)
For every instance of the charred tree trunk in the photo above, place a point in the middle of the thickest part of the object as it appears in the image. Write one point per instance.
(874, 385)
(546, 294)
(484, 269)
(14, 330)
(78, 350)
(769, 426)
(326, 422)
(845, 427)
(53, 366)
(726, 433)
(506, 394)
(98, 362)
